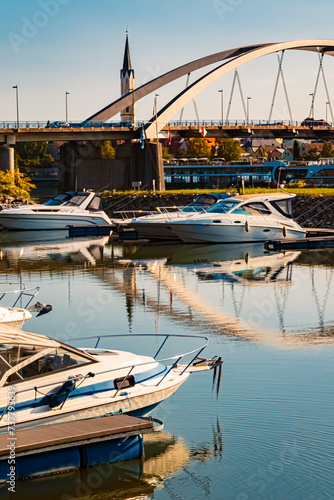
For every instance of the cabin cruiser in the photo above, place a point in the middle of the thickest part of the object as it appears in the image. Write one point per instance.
(245, 218)
(55, 382)
(67, 209)
(155, 225)
(16, 316)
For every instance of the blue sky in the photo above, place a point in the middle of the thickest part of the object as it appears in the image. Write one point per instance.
(49, 47)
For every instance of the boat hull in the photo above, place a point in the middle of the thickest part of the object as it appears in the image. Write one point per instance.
(214, 233)
(155, 230)
(43, 222)
(138, 405)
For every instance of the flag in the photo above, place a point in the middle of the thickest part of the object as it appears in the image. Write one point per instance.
(142, 138)
(203, 132)
(169, 137)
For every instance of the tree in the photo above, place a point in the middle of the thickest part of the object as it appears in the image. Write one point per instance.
(229, 149)
(107, 150)
(166, 154)
(327, 150)
(33, 151)
(296, 152)
(312, 155)
(15, 184)
(198, 148)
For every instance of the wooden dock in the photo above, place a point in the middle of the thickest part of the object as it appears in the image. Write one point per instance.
(72, 445)
(316, 238)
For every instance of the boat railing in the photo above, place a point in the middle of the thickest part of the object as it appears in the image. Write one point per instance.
(23, 293)
(133, 214)
(175, 359)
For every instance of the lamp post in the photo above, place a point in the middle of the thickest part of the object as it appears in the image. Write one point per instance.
(312, 107)
(327, 104)
(66, 107)
(248, 99)
(17, 105)
(222, 105)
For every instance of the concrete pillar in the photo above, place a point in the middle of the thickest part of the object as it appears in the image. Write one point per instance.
(7, 158)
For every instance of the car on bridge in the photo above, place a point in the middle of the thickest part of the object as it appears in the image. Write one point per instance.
(310, 122)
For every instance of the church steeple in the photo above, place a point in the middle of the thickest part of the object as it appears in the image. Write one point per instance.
(127, 82)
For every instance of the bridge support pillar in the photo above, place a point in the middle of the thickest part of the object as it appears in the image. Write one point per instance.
(7, 158)
(147, 165)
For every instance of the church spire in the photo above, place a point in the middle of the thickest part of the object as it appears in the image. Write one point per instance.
(127, 82)
(127, 59)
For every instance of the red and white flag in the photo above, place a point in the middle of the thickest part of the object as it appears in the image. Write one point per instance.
(203, 132)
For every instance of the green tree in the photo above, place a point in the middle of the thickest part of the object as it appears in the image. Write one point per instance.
(26, 151)
(327, 150)
(229, 149)
(312, 155)
(296, 152)
(166, 154)
(107, 150)
(15, 184)
(198, 148)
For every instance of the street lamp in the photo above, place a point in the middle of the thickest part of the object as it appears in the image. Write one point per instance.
(17, 105)
(222, 106)
(312, 107)
(327, 104)
(248, 99)
(66, 107)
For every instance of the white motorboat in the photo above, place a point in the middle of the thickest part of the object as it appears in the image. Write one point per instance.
(246, 218)
(16, 316)
(155, 225)
(67, 209)
(53, 382)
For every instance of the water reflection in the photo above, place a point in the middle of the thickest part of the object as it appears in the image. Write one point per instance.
(236, 290)
(165, 455)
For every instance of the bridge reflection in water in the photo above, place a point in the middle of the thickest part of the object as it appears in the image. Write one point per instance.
(241, 291)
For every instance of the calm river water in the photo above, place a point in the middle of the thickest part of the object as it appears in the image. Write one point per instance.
(269, 434)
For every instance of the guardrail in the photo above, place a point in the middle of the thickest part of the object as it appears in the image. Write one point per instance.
(174, 123)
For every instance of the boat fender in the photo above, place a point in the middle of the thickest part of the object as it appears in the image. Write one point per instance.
(62, 393)
(284, 231)
(247, 226)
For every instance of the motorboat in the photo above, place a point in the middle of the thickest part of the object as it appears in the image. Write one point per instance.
(155, 225)
(56, 382)
(67, 209)
(245, 218)
(15, 316)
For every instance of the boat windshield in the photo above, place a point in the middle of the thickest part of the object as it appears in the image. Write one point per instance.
(19, 362)
(223, 206)
(75, 201)
(58, 200)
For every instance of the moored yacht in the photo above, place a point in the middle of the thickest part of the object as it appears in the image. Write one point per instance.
(246, 218)
(55, 382)
(67, 209)
(155, 226)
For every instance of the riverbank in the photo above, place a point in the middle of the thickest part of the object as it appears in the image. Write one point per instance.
(306, 200)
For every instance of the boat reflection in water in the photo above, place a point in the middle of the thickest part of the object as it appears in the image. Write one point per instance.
(165, 455)
(30, 246)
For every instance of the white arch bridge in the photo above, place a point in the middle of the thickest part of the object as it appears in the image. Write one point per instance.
(229, 60)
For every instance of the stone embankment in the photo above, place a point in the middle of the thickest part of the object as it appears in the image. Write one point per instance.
(315, 206)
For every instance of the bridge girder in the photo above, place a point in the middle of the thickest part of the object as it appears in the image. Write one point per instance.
(188, 94)
(117, 106)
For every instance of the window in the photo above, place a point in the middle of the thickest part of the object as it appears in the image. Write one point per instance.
(95, 204)
(283, 207)
(223, 206)
(252, 209)
(43, 360)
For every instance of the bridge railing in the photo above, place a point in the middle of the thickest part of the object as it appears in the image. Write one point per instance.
(174, 123)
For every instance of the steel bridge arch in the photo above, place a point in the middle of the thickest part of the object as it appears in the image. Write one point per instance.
(190, 92)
